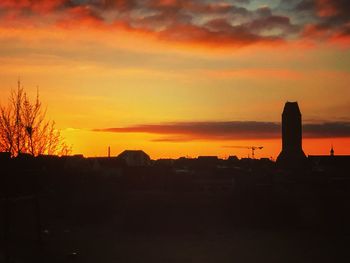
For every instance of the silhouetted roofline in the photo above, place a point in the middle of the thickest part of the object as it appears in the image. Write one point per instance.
(133, 152)
(291, 107)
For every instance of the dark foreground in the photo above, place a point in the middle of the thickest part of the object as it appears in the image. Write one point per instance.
(143, 227)
(63, 211)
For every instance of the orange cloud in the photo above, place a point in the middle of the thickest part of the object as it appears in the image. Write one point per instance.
(231, 130)
(168, 21)
(182, 24)
(36, 6)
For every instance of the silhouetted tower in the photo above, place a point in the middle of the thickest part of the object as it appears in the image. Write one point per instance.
(292, 155)
(332, 151)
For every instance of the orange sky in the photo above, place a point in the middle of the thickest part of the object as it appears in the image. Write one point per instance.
(120, 64)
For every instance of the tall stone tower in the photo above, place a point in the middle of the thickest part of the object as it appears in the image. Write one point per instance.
(292, 154)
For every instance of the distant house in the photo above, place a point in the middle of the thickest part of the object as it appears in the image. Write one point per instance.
(330, 162)
(135, 158)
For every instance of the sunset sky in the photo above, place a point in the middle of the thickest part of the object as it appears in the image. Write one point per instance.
(182, 77)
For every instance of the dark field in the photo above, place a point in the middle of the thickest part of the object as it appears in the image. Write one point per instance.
(163, 227)
(53, 212)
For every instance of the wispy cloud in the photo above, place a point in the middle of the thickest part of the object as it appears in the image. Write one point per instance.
(233, 130)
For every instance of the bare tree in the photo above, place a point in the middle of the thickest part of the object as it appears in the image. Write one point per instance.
(23, 128)
(7, 130)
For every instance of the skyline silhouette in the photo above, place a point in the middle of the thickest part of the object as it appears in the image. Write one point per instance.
(53, 205)
(241, 133)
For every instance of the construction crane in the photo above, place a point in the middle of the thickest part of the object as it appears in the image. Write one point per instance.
(253, 148)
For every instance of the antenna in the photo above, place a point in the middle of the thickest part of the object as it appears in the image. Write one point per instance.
(332, 150)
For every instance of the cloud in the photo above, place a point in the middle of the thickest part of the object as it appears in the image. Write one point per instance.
(35, 6)
(233, 23)
(204, 130)
(231, 130)
(180, 21)
(327, 130)
(329, 19)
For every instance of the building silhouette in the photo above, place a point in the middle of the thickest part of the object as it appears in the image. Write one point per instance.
(292, 154)
(135, 158)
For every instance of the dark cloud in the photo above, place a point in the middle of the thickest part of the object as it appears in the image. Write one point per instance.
(337, 10)
(184, 21)
(327, 130)
(230, 23)
(214, 33)
(305, 5)
(329, 18)
(272, 22)
(264, 11)
(233, 130)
